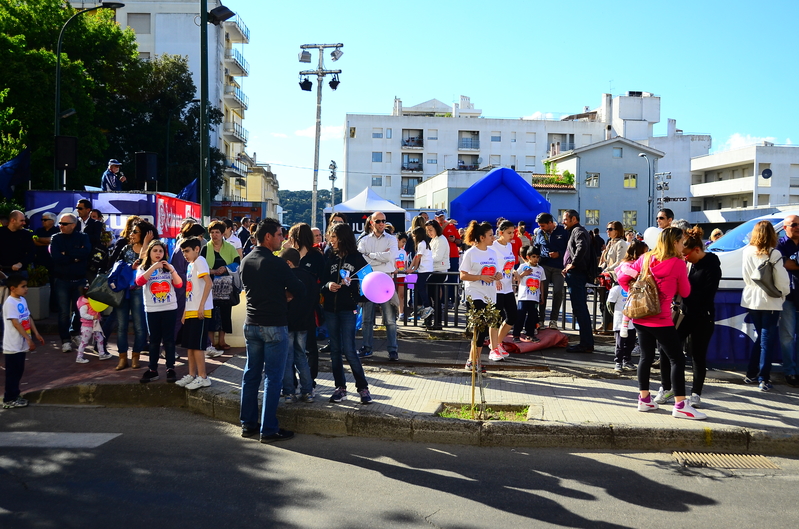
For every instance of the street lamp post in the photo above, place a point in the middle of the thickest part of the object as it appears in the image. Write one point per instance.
(332, 168)
(649, 182)
(320, 72)
(57, 116)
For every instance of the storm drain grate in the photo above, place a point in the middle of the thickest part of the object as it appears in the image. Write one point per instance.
(699, 459)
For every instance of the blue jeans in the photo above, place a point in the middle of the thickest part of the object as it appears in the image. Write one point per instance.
(765, 322)
(788, 337)
(161, 326)
(67, 293)
(267, 352)
(132, 307)
(579, 297)
(341, 326)
(298, 359)
(389, 320)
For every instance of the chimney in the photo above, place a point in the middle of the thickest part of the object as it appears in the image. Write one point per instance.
(557, 147)
(671, 127)
(397, 107)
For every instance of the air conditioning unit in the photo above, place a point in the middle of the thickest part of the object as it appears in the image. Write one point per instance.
(479, 160)
(227, 72)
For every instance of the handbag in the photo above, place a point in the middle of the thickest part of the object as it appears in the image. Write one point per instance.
(763, 276)
(643, 299)
(225, 292)
(101, 291)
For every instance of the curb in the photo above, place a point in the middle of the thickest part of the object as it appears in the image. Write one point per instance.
(355, 420)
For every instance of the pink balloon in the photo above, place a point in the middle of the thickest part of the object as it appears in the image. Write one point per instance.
(378, 287)
(410, 281)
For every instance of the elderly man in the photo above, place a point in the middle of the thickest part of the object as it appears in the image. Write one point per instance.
(268, 283)
(380, 250)
(789, 248)
(112, 179)
(577, 262)
(70, 250)
(551, 240)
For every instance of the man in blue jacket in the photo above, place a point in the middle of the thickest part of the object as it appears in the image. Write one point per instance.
(112, 179)
(70, 250)
(551, 239)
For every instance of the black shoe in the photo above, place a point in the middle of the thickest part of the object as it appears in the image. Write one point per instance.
(393, 356)
(792, 380)
(149, 376)
(281, 435)
(325, 349)
(248, 432)
(579, 349)
(171, 377)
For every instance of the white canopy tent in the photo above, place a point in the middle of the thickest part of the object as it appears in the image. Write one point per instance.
(364, 204)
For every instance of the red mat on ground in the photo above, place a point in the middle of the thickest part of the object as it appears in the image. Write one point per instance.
(549, 338)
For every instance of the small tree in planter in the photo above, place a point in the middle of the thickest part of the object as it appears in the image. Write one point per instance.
(479, 321)
(38, 297)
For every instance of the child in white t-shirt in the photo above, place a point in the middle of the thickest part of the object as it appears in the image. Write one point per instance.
(528, 295)
(199, 304)
(18, 333)
(624, 344)
(635, 250)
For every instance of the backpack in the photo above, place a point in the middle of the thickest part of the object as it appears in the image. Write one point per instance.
(121, 277)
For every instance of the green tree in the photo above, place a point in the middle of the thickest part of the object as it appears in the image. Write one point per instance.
(297, 205)
(12, 135)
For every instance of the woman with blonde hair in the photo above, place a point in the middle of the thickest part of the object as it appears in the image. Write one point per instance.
(764, 309)
(666, 266)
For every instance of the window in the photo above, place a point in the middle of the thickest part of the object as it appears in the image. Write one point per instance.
(629, 219)
(377, 181)
(432, 158)
(144, 55)
(377, 156)
(513, 137)
(377, 133)
(591, 179)
(388, 157)
(495, 159)
(513, 161)
(560, 215)
(432, 134)
(529, 163)
(407, 204)
(388, 133)
(388, 181)
(617, 152)
(591, 217)
(530, 138)
(630, 181)
(352, 132)
(139, 23)
(496, 135)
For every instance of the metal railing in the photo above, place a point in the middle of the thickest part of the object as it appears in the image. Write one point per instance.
(468, 143)
(413, 142)
(463, 167)
(238, 95)
(236, 130)
(243, 29)
(415, 167)
(237, 57)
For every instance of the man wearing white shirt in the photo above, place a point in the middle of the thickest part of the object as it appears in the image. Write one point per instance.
(380, 251)
(231, 237)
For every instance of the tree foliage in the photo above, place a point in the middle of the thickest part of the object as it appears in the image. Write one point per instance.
(12, 135)
(297, 205)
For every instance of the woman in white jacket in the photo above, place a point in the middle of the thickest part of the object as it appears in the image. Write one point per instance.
(763, 309)
(440, 248)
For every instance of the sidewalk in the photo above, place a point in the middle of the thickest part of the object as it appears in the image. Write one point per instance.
(575, 400)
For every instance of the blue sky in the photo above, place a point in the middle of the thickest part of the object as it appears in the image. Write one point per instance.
(722, 68)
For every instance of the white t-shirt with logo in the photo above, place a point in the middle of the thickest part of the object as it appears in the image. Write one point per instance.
(195, 287)
(401, 263)
(530, 286)
(507, 263)
(159, 293)
(481, 262)
(15, 309)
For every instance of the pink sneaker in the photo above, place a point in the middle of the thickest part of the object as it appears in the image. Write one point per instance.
(501, 351)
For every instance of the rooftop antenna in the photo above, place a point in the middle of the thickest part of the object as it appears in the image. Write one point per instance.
(610, 86)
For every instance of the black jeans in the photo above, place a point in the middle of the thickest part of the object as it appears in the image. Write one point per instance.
(15, 366)
(161, 326)
(669, 340)
(699, 329)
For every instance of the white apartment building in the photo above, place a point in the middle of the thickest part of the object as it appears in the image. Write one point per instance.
(172, 26)
(392, 154)
(741, 184)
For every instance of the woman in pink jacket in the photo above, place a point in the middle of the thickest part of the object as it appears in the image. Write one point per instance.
(667, 268)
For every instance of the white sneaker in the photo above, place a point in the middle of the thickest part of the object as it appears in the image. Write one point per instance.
(687, 412)
(105, 356)
(553, 325)
(494, 356)
(624, 332)
(647, 406)
(664, 396)
(184, 381)
(198, 383)
(212, 352)
(501, 351)
(66, 347)
(695, 401)
(81, 360)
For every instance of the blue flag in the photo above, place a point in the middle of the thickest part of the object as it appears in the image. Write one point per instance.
(190, 192)
(15, 172)
(361, 274)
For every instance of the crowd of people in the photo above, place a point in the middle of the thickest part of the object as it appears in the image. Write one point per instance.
(298, 279)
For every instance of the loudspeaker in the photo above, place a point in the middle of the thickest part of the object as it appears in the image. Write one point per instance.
(66, 152)
(146, 166)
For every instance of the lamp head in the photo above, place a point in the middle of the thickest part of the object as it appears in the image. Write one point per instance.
(336, 54)
(306, 85)
(334, 82)
(219, 14)
(112, 5)
(305, 56)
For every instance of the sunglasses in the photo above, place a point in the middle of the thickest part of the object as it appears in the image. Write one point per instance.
(135, 231)
(609, 229)
(379, 221)
(793, 224)
(65, 223)
(661, 218)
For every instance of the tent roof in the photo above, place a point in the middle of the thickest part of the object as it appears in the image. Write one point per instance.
(366, 201)
(500, 193)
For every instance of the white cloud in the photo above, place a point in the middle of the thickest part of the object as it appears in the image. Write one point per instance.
(279, 135)
(737, 140)
(330, 132)
(788, 141)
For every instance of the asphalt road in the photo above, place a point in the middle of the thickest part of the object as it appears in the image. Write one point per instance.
(65, 467)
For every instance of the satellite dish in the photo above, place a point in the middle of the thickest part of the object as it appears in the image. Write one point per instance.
(766, 173)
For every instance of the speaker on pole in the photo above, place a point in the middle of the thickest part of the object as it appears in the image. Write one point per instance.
(66, 152)
(146, 166)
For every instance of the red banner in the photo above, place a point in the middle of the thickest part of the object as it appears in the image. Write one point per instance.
(171, 211)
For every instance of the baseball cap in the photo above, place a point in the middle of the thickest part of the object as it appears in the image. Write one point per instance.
(113, 161)
(440, 213)
(48, 215)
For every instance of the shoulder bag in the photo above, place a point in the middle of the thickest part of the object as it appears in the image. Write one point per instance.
(763, 276)
(643, 299)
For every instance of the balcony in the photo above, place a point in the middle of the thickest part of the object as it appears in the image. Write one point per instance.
(733, 186)
(234, 94)
(236, 64)
(235, 168)
(235, 132)
(413, 143)
(412, 167)
(563, 148)
(469, 144)
(408, 191)
(237, 30)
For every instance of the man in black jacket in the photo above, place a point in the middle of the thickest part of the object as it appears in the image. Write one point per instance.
(70, 250)
(577, 265)
(268, 282)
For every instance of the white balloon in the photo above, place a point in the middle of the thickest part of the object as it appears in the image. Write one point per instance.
(651, 236)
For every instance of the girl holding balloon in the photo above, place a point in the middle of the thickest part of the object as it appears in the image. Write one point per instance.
(90, 326)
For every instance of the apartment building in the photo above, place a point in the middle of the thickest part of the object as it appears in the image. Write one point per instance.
(172, 26)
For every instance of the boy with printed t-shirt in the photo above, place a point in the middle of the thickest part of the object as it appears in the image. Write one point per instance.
(18, 329)
(199, 304)
(529, 294)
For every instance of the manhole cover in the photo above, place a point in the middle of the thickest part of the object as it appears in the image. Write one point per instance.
(699, 459)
